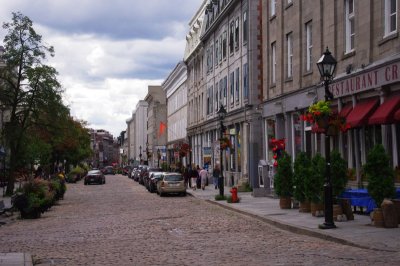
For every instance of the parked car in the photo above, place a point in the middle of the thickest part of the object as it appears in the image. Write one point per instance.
(126, 170)
(95, 176)
(154, 178)
(108, 170)
(147, 174)
(142, 173)
(171, 183)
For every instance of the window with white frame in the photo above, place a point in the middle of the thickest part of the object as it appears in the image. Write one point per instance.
(390, 16)
(208, 101)
(216, 92)
(309, 46)
(232, 87)
(224, 44)
(237, 86)
(225, 90)
(231, 36)
(221, 91)
(273, 63)
(211, 99)
(273, 7)
(245, 27)
(245, 70)
(289, 43)
(237, 33)
(350, 27)
(211, 56)
(220, 49)
(216, 51)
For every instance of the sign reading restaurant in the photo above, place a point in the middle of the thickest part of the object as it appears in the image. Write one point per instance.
(367, 80)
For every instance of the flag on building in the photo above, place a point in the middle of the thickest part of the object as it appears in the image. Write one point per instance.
(162, 129)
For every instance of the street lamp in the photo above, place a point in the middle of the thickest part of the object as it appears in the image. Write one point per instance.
(140, 154)
(326, 66)
(159, 157)
(221, 116)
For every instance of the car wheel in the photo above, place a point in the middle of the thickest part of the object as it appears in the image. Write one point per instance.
(85, 183)
(184, 194)
(161, 194)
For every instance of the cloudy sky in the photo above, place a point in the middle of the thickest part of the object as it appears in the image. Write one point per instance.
(108, 51)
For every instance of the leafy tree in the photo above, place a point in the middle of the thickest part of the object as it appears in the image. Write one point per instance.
(379, 174)
(314, 185)
(338, 174)
(27, 84)
(283, 181)
(302, 169)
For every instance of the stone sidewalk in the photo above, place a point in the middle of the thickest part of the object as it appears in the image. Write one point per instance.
(359, 232)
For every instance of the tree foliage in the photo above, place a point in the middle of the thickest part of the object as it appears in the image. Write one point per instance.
(283, 181)
(314, 185)
(301, 170)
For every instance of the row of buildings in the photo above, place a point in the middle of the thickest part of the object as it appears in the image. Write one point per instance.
(257, 59)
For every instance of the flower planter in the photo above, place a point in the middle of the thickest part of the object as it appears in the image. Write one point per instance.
(316, 207)
(377, 217)
(322, 122)
(285, 202)
(305, 206)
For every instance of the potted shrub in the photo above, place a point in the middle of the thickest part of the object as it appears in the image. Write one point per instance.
(301, 170)
(338, 180)
(283, 182)
(380, 178)
(314, 184)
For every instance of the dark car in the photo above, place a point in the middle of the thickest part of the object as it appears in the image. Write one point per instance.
(126, 170)
(108, 170)
(147, 174)
(154, 178)
(95, 176)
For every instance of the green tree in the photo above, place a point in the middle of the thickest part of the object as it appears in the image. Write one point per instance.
(302, 169)
(27, 83)
(283, 181)
(314, 185)
(338, 174)
(379, 174)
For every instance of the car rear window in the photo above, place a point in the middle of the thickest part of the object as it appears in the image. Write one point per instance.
(173, 178)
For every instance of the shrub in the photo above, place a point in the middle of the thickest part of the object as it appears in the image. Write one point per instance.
(283, 181)
(229, 199)
(338, 174)
(379, 174)
(314, 183)
(219, 197)
(301, 170)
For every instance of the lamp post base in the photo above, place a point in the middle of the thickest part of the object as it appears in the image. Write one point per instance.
(326, 226)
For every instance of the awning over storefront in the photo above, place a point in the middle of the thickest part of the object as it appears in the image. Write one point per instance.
(397, 116)
(346, 110)
(385, 112)
(362, 111)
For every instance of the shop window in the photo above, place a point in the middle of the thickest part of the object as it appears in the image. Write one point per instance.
(296, 134)
(271, 134)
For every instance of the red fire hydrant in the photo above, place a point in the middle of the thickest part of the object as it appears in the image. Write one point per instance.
(234, 194)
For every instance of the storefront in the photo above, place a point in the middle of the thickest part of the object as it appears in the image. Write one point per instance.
(370, 101)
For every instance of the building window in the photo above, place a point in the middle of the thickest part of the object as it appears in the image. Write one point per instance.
(231, 36)
(225, 90)
(390, 16)
(296, 133)
(220, 49)
(208, 101)
(237, 85)
(245, 70)
(224, 36)
(273, 7)
(245, 27)
(221, 91)
(349, 26)
(273, 63)
(237, 33)
(289, 41)
(232, 87)
(216, 52)
(216, 96)
(308, 46)
(271, 134)
(211, 99)
(211, 56)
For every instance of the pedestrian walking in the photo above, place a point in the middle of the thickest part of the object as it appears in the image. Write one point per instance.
(203, 177)
(193, 177)
(216, 174)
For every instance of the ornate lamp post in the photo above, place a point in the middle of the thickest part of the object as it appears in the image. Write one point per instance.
(326, 66)
(221, 116)
(158, 157)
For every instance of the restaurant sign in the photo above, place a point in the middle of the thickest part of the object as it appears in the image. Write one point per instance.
(368, 80)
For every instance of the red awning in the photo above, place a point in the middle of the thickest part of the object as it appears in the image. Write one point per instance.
(385, 112)
(346, 110)
(397, 116)
(361, 112)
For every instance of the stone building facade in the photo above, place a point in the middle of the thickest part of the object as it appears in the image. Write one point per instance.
(229, 76)
(363, 37)
(175, 88)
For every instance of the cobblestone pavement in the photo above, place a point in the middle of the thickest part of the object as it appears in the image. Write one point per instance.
(120, 223)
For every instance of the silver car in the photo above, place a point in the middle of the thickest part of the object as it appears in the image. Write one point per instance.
(171, 183)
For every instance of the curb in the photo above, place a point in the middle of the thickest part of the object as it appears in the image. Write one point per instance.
(293, 228)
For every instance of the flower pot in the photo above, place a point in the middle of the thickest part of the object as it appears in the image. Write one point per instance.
(285, 202)
(337, 210)
(305, 206)
(397, 209)
(332, 130)
(322, 122)
(377, 217)
(316, 207)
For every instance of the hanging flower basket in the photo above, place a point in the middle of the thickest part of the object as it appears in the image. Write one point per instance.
(325, 121)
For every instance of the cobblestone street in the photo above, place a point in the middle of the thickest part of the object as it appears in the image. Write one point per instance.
(120, 223)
